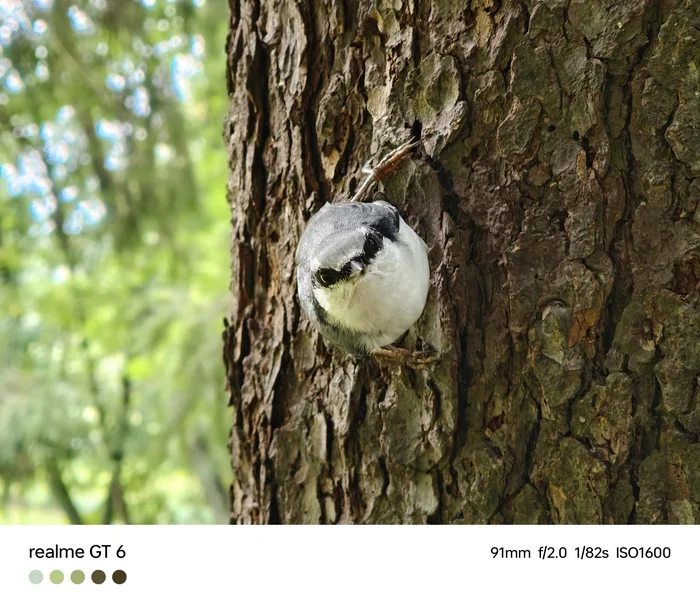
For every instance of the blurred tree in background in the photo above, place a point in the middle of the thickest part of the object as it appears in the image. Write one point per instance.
(113, 261)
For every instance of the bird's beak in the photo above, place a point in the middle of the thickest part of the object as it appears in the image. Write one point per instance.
(357, 267)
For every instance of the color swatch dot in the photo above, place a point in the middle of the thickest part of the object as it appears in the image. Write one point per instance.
(56, 576)
(119, 577)
(98, 577)
(77, 577)
(36, 576)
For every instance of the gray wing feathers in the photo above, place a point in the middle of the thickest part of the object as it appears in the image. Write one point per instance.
(380, 215)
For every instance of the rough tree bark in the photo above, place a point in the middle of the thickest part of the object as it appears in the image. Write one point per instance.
(558, 195)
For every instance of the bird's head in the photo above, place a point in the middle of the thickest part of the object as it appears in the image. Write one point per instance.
(344, 256)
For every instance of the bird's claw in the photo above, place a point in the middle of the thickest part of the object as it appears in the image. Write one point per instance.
(413, 359)
(386, 166)
(393, 160)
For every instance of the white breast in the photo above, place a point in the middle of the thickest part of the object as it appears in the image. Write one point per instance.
(389, 296)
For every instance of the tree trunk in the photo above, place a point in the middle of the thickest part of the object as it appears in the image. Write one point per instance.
(557, 193)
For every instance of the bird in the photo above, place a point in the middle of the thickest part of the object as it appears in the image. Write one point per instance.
(363, 274)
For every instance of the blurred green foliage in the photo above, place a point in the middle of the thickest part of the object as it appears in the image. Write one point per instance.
(114, 256)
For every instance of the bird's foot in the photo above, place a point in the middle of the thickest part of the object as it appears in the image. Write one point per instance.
(413, 359)
(388, 165)
(392, 161)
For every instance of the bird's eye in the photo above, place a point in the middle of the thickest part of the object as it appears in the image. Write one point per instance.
(371, 243)
(327, 277)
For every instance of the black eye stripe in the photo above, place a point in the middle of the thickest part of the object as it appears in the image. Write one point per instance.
(388, 226)
(329, 277)
(373, 244)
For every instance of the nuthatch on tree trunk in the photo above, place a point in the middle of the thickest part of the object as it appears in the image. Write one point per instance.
(363, 273)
